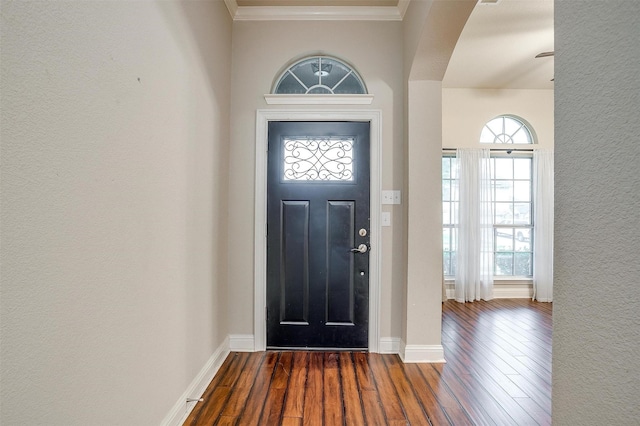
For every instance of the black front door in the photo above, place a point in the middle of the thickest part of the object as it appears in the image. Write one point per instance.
(318, 235)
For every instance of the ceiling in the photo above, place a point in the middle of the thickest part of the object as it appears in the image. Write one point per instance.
(498, 45)
(496, 49)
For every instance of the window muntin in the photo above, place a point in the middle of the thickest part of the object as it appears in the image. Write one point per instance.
(512, 188)
(320, 75)
(506, 129)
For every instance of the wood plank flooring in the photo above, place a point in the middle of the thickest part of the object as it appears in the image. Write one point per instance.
(498, 372)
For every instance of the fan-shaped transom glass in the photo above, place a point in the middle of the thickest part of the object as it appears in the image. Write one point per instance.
(320, 75)
(506, 129)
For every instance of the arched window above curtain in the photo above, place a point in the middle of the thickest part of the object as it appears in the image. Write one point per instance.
(506, 129)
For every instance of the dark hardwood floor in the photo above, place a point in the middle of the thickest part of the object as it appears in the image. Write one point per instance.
(498, 371)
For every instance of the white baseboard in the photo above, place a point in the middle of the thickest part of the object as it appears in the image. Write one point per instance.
(241, 343)
(502, 291)
(181, 409)
(421, 353)
(512, 292)
(389, 345)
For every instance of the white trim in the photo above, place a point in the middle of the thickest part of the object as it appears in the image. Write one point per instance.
(181, 409)
(421, 353)
(241, 343)
(501, 290)
(403, 5)
(316, 13)
(260, 226)
(232, 7)
(523, 291)
(301, 99)
(389, 345)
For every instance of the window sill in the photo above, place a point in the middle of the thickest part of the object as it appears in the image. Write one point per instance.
(318, 99)
(499, 280)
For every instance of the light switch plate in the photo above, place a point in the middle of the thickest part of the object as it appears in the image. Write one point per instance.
(392, 197)
(397, 197)
(387, 197)
(385, 218)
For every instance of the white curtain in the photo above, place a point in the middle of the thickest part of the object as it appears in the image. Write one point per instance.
(474, 270)
(543, 225)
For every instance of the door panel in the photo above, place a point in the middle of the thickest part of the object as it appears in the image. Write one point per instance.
(340, 240)
(295, 262)
(318, 202)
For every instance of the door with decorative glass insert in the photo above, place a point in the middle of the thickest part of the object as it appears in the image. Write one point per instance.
(318, 235)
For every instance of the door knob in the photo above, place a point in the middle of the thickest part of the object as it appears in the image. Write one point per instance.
(362, 248)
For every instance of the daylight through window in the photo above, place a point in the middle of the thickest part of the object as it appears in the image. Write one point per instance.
(320, 75)
(512, 195)
(506, 129)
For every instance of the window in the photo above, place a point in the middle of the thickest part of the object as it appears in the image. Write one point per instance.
(512, 194)
(320, 75)
(512, 185)
(318, 159)
(512, 200)
(506, 129)
(449, 212)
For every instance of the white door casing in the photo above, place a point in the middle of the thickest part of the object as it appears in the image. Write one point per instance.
(263, 116)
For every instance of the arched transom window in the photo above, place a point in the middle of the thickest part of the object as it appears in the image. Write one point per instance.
(320, 75)
(506, 129)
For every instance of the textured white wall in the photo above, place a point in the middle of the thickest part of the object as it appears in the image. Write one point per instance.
(596, 320)
(113, 219)
(260, 51)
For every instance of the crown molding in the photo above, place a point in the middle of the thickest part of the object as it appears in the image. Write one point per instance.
(317, 13)
(232, 7)
(403, 5)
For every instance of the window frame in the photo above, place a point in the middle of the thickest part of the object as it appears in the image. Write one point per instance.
(513, 225)
(507, 136)
(452, 225)
(319, 87)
